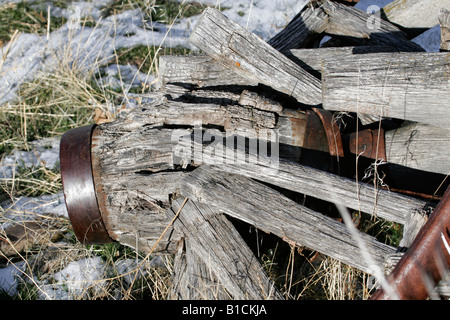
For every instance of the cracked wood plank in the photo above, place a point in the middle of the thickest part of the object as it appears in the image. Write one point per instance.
(221, 248)
(270, 211)
(251, 57)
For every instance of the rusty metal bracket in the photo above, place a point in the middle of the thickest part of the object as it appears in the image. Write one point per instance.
(426, 260)
(78, 185)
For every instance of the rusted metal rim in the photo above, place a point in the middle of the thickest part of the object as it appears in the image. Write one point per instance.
(78, 185)
(427, 259)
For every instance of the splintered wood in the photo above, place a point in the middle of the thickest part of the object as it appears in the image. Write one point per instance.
(168, 177)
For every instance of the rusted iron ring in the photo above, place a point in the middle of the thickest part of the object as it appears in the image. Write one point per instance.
(78, 185)
(322, 133)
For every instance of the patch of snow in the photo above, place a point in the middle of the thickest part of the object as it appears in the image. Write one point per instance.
(79, 9)
(44, 152)
(88, 277)
(128, 268)
(264, 18)
(24, 59)
(78, 280)
(10, 277)
(124, 77)
(26, 208)
(86, 47)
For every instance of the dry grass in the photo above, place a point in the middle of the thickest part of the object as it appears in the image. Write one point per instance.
(54, 102)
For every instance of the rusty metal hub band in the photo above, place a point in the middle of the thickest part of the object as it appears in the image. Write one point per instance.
(78, 185)
(322, 133)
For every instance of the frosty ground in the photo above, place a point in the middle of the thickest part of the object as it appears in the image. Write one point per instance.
(32, 54)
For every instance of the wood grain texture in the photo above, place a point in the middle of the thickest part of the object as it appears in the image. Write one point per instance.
(414, 13)
(312, 59)
(410, 86)
(200, 70)
(302, 30)
(444, 21)
(139, 164)
(133, 185)
(351, 22)
(309, 181)
(221, 248)
(192, 279)
(251, 57)
(270, 211)
(419, 146)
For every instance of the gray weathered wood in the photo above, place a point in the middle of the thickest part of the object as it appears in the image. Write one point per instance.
(200, 70)
(138, 164)
(419, 146)
(444, 21)
(251, 57)
(414, 14)
(270, 211)
(309, 181)
(312, 59)
(411, 86)
(220, 247)
(133, 201)
(337, 19)
(204, 71)
(414, 222)
(192, 279)
(351, 22)
(307, 25)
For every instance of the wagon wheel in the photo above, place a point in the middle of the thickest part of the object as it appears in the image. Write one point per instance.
(166, 174)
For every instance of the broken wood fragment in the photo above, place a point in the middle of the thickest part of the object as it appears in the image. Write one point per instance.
(200, 70)
(419, 146)
(365, 28)
(192, 279)
(444, 21)
(220, 247)
(312, 59)
(311, 182)
(302, 30)
(409, 86)
(251, 57)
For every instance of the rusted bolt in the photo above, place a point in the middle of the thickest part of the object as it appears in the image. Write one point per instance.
(369, 144)
(78, 185)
